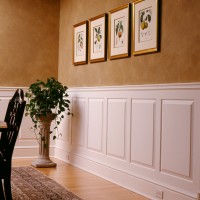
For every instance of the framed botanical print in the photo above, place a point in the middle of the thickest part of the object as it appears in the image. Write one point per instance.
(98, 38)
(80, 43)
(145, 26)
(120, 32)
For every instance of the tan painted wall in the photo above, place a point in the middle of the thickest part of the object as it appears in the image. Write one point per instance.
(29, 45)
(29, 35)
(178, 60)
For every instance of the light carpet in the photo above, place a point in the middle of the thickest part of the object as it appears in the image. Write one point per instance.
(30, 184)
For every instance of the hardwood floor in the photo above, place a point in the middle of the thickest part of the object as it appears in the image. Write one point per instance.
(82, 183)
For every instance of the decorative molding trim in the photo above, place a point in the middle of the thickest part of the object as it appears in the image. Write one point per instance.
(135, 127)
(170, 86)
(140, 172)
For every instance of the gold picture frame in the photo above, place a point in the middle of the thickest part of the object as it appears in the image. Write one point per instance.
(98, 38)
(145, 26)
(80, 43)
(120, 32)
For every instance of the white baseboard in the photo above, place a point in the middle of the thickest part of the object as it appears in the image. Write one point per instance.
(135, 184)
(29, 152)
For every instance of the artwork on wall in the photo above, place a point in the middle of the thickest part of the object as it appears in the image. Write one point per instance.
(143, 19)
(98, 38)
(80, 43)
(119, 32)
(145, 26)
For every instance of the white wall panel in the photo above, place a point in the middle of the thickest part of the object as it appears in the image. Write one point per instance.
(3, 106)
(64, 129)
(176, 136)
(26, 132)
(95, 124)
(142, 131)
(116, 130)
(78, 121)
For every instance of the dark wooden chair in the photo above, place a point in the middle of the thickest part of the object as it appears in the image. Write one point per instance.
(8, 137)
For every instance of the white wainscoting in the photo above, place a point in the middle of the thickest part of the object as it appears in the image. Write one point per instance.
(144, 138)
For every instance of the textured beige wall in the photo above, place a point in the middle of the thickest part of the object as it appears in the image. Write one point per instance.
(178, 60)
(29, 35)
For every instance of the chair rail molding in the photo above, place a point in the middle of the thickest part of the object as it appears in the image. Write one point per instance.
(143, 137)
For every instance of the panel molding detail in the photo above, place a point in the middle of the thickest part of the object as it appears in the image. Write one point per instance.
(78, 121)
(176, 137)
(95, 124)
(140, 137)
(116, 127)
(145, 134)
(142, 131)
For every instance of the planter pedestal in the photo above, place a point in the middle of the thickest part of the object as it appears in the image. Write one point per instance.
(43, 163)
(43, 159)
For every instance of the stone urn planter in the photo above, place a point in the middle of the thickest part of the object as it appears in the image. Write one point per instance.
(47, 101)
(43, 159)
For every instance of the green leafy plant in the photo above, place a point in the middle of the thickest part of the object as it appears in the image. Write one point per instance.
(47, 99)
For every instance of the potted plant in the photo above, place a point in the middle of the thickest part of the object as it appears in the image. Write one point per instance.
(46, 102)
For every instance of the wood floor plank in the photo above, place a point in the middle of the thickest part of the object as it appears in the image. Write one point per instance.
(82, 183)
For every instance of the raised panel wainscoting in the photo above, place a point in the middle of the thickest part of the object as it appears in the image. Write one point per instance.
(145, 138)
